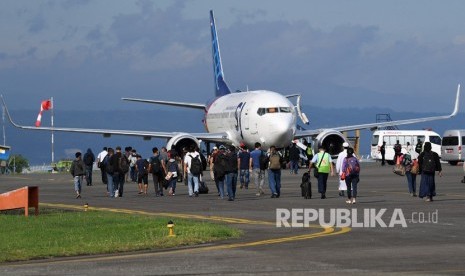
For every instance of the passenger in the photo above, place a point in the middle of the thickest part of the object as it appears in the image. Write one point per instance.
(109, 169)
(382, 150)
(211, 161)
(274, 172)
(220, 169)
(294, 158)
(397, 152)
(231, 177)
(142, 166)
(89, 159)
(351, 168)
(429, 164)
(258, 168)
(172, 172)
(118, 173)
(243, 159)
(192, 180)
(127, 153)
(340, 159)
(100, 158)
(409, 159)
(132, 165)
(164, 159)
(324, 166)
(77, 170)
(308, 152)
(156, 169)
(419, 146)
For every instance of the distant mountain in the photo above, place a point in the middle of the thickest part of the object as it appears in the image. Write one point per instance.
(36, 145)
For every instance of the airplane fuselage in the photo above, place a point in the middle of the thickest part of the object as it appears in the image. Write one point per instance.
(254, 116)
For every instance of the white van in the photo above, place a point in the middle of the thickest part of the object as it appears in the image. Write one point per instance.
(404, 136)
(452, 143)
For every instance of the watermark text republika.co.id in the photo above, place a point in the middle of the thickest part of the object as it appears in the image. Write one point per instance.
(344, 217)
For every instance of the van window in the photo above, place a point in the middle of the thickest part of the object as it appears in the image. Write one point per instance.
(435, 140)
(450, 141)
(392, 140)
(374, 140)
(421, 138)
(463, 140)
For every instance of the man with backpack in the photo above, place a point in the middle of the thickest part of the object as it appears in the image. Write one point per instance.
(274, 172)
(257, 166)
(120, 165)
(109, 169)
(192, 170)
(220, 169)
(231, 177)
(77, 170)
(156, 168)
(142, 166)
(429, 163)
(350, 173)
(89, 159)
(100, 157)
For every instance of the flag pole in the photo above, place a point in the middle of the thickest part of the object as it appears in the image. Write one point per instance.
(53, 152)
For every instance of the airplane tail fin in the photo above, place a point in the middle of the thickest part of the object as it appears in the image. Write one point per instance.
(221, 88)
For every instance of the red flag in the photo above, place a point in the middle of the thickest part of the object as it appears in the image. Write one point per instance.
(45, 105)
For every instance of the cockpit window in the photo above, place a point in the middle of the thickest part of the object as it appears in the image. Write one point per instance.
(262, 110)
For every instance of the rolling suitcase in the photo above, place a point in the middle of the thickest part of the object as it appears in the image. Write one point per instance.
(306, 186)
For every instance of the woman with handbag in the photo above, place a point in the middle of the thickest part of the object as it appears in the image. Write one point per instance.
(172, 172)
(410, 163)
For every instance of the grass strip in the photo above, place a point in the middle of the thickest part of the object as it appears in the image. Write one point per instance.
(56, 233)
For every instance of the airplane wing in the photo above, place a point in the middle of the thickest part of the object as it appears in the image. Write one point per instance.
(213, 137)
(178, 104)
(314, 132)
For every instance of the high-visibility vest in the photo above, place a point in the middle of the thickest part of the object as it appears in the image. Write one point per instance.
(325, 166)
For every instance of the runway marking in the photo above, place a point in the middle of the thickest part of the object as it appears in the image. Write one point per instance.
(327, 231)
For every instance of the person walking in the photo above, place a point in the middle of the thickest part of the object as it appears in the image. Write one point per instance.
(429, 163)
(351, 172)
(340, 159)
(294, 158)
(157, 170)
(220, 169)
(100, 158)
(323, 166)
(192, 176)
(142, 171)
(257, 165)
(231, 176)
(172, 172)
(409, 159)
(243, 162)
(89, 159)
(109, 170)
(382, 150)
(120, 165)
(274, 172)
(77, 170)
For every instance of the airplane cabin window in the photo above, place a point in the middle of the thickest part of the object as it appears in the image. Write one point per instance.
(261, 111)
(285, 110)
(271, 110)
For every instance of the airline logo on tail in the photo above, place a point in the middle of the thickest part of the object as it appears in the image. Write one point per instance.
(221, 88)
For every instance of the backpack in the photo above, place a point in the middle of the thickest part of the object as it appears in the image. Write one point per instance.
(275, 161)
(353, 166)
(429, 165)
(88, 160)
(196, 165)
(144, 169)
(156, 164)
(397, 148)
(107, 165)
(220, 166)
(418, 148)
(263, 160)
(123, 164)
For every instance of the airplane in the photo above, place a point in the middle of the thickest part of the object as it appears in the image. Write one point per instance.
(245, 118)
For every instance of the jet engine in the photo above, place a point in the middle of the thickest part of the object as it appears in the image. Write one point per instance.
(331, 141)
(181, 141)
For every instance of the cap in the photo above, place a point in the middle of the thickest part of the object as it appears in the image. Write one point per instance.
(242, 145)
(222, 147)
(345, 145)
(215, 148)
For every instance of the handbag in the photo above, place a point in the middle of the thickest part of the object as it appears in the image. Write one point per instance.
(343, 176)
(168, 176)
(399, 169)
(415, 168)
(316, 174)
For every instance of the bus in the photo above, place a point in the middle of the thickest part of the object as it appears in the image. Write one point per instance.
(452, 143)
(404, 136)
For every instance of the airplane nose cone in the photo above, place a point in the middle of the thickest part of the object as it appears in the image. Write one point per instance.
(283, 130)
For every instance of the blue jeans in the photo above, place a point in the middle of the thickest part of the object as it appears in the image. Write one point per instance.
(294, 166)
(412, 182)
(219, 181)
(245, 178)
(89, 175)
(110, 186)
(274, 181)
(322, 182)
(231, 184)
(172, 184)
(77, 183)
(351, 182)
(192, 182)
(133, 173)
(118, 182)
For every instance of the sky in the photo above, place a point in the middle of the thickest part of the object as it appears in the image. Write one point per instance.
(402, 55)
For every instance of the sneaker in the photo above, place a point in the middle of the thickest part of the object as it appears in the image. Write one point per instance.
(196, 194)
(428, 199)
(116, 193)
(353, 201)
(258, 194)
(414, 195)
(348, 201)
(78, 196)
(262, 192)
(230, 199)
(273, 196)
(242, 186)
(323, 196)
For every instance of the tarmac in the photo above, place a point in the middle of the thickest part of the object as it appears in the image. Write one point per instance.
(425, 238)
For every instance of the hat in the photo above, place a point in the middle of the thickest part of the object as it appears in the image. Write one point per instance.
(242, 145)
(222, 147)
(215, 148)
(345, 145)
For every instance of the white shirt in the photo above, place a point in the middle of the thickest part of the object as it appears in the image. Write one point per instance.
(188, 158)
(102, 155)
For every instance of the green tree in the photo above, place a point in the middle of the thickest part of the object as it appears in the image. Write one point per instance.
(19, 162)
